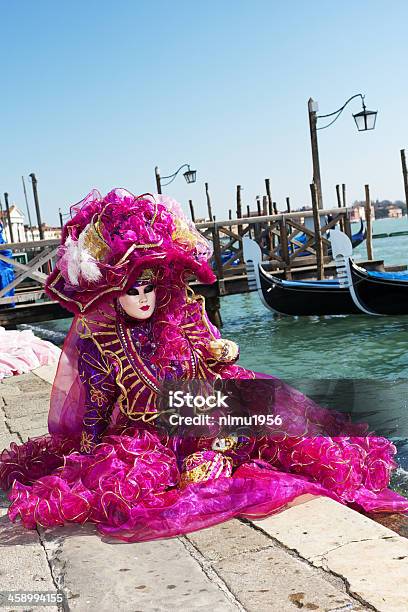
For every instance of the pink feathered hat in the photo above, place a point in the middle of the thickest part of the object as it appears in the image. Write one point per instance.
(110, 240)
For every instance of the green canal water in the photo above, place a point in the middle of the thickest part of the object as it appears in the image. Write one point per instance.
(356, 363)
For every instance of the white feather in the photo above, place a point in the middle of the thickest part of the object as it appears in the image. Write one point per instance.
(89, 268)
(72, 258)
(80, 262)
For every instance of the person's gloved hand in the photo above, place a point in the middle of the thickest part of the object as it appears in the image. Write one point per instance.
(224, 350)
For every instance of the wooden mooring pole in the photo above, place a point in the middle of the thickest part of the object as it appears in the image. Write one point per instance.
(11, 236)
(239, 202)
(285, 248)
(318, 235)
(270, 208)
(239, 208)
(340, 205)
(190, 203)
(217, 253)
(345, 224)
(258, 205)
(250, 230)
(405, 176)
(265, 205)
(207, 193)
(37, 205)
(212, 304)
(268, 195)
(369, 239)
(213, 309)
(338, 196)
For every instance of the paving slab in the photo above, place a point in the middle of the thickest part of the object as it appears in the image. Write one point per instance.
(32, 433)
(47, 372)
(270, 580)
(23, 563)
(371, 558)
(333, 523)
(36, 420)
(227, 540)
(376, 570)
(264, 576)
(25, 409)
(102, 575)
(36, 392)
(9, 391)
(26, 382)
(4, 430)
(13, 380)
(6, 437)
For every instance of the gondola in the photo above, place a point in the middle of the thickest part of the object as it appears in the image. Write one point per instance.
(359, 236)
(374, 293)
(296, 298)
(354, 291)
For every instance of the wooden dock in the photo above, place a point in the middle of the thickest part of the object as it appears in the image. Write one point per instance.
(276, 234)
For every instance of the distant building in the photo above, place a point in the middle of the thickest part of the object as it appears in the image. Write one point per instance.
(384, 209)
(50, 233)
(358, 212)
(22, 232)
(17, 224)
(394, 212)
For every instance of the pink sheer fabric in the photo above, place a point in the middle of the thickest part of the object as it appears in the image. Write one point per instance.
(130, 485)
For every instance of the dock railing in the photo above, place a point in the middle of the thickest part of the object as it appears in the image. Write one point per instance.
(278, 236)
(41, 254)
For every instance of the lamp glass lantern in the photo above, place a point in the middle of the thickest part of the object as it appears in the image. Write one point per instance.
(190, 175)
(365, 120)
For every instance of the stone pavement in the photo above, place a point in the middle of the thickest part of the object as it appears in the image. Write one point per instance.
(316, 556)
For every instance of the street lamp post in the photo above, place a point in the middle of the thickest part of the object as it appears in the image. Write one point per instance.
(189, 175)
(365, 120)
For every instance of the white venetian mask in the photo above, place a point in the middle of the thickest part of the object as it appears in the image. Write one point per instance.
(140, 301)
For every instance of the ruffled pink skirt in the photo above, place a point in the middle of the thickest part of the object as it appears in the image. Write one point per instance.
(137, 486)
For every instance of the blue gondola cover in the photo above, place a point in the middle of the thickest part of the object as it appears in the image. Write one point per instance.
(6, 269)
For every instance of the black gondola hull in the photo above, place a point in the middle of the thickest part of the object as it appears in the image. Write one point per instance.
(379, 295)
(304, 299)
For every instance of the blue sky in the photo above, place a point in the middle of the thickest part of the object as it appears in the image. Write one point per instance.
(96, 93)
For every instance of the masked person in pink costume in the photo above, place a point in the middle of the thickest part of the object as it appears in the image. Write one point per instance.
(122, 270)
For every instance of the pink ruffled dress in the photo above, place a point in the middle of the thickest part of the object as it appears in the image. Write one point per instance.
(109, 463)
(107, 460)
